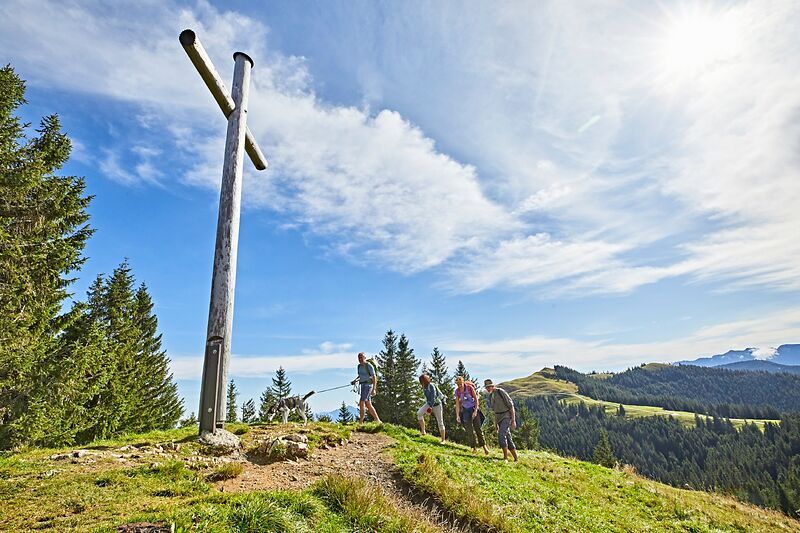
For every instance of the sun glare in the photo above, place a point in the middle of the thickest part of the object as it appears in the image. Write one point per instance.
(695, 39)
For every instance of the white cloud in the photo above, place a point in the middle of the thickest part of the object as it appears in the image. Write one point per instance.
(510, 358)
(535, 260)
(259, 366)
(517, 357)
(590, 170)
(374, 187)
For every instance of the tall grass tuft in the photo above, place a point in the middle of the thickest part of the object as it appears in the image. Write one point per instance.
(364, 508)
(226, 471)
(256, 514)
(458, 498)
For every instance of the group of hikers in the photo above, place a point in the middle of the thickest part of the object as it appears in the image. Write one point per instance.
(467, 402)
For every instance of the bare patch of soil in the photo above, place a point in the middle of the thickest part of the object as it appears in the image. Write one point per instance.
(363, 456)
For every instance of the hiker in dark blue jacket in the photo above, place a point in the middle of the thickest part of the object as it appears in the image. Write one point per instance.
(434, 403)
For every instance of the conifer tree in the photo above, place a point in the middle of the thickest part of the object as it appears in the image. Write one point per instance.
(266, 401)
(248, 411)
(462, 371)
(116, 408)
(441, 377)
(407, 389)
(159, 405)
(324, 417)
(230, 415)
(603, 455)
(386, 398)
(43, 229)
(526, 436)
(345, 417)
(189, 422)
(281, 386)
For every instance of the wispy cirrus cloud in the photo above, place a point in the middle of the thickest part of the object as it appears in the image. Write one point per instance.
(594, 167)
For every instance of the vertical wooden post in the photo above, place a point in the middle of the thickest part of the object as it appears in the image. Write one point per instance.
(223, 281)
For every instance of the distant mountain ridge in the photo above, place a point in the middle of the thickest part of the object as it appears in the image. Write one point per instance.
(759, 365)
(786, 354)
(335, 413)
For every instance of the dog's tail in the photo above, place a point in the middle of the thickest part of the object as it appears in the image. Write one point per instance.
(308, 395)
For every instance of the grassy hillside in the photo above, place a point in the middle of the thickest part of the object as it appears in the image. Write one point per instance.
(126, 481)
(544, 383)
(546, 492)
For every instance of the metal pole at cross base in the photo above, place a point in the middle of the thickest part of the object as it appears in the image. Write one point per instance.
(223, 281)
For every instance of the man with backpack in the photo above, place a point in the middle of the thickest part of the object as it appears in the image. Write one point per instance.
(368, 386)
(505, 417)
(469, 414)
(434, 403)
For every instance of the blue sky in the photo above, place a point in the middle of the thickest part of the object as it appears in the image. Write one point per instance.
(596, 185)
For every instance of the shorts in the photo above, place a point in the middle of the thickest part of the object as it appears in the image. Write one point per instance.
(366, 392)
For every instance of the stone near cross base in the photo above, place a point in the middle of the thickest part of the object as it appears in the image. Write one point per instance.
(282, 448)
(220, 442)
(296, 450)
(295, 437)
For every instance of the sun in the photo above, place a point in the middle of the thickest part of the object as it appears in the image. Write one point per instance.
(696, 38)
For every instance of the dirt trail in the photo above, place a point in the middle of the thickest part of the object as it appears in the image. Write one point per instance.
(364, 456)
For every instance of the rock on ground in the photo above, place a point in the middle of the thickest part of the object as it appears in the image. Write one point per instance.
(220, 442)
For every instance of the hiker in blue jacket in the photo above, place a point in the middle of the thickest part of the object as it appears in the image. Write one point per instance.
(368, 386)
(434, 403)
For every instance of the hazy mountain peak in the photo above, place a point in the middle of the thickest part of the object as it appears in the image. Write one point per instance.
(785, 354)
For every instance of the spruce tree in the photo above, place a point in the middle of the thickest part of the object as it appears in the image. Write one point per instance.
(189, 422)
(266, 401)
(345, 417)
(603, 455)
(386, 398)
(248, 411)
(407, 387)
(43, 229)
(462, 371)
(159, 406)
(135, 391)
(526, 436)
(116, 408)
(230, 416)
(281, 386)
(441, 377)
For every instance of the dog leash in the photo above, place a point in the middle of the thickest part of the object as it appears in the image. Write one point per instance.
(332, 388)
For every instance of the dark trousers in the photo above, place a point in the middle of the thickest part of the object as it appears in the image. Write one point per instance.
(473, 427)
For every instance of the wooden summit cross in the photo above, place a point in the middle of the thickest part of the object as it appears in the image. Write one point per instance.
(223, 280)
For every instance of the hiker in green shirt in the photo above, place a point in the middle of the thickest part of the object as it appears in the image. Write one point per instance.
(368, 386)
(505, 417)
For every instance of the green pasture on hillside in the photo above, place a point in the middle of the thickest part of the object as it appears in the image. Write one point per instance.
(544, 383)
(546, 492)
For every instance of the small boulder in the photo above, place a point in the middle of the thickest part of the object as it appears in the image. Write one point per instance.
(282, 448)
(295, 437)
(220, 442)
